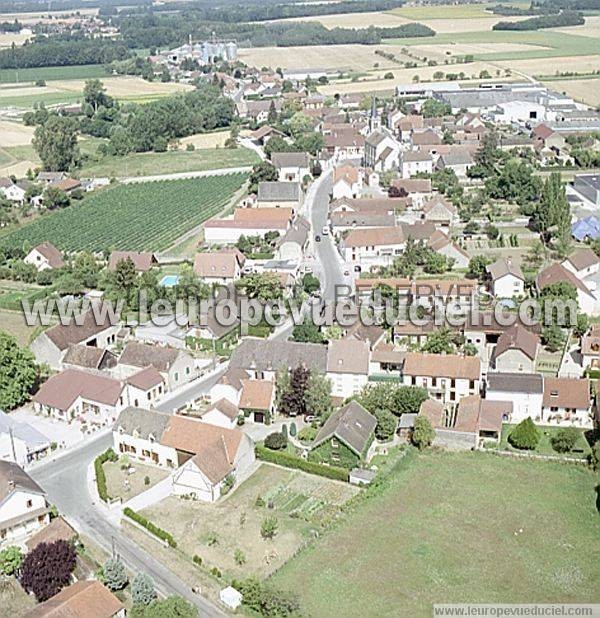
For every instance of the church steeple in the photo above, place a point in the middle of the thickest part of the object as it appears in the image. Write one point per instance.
(374, 120)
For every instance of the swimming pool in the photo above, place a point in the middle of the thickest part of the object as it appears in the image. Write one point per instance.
(169, 281)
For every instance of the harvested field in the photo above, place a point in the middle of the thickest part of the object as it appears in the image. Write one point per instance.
(443, 11)
(8, 38)
(584, 90)
(206, 140)
(355, 20)
(14, 134)
(342, 57)
(13, 90)
(464, 25)
(591, 28)
(125, 86)
(540, 66)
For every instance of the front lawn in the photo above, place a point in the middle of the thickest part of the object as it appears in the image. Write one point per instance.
(544, 447)
(456, 528)
(302, 504)
(121, 484)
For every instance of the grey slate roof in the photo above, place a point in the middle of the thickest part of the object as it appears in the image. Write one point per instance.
(289, 159)
(278, 191)
(12, 477)
(515, 382)
(261, 355)
(298, 233)
(351, 424)
(144, 422)
(142, 355)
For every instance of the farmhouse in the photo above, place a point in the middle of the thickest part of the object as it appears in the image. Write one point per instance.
(278, 194)
(447, 377)
(229, 386)
(176, 366)
(143, 261)
(566, 402)
(516, 351)
(583, 263)
(523, 390)
(440, 212)
(51, 346)
(441, 243)
(345, 437)
(87, 358)
(223, 266)
(347, 182)
(145, 387)
(373, 247)
(292, 244)
(80, 395)
(507, 279)
(45, 256)
(412, 162)
(557, 273)
(23, 506)
(202, 455)
(348, 366)
(247, 222)
(292, 166)
(222, 413)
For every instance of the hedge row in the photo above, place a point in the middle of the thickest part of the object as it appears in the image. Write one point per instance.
(291, 461)
(155, 530)
(108, 455)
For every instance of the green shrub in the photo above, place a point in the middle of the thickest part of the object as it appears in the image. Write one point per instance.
(155, 530)
(307, 434)
(259, 502)
(525, 435)
(293, 429)
(216, 572)
(146, 480)
(291, 461)
(276, 441)
(268, 528)
(197, 560)
(564, 440)
(108, 455)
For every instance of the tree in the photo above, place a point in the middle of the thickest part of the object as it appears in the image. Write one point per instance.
(565, 439)
(299, 123)
(595, 456)
(124, 277)
(433, 108)
(478, 267)
(408, 399)
(307, 332)
(262, 172)
(268, 527)
(94, 93)
(264, 286)
(310, 283)
(55, 198)
(142, 590)
(55, 141)
(18, 372)
(442, 341)
(317, 396)
(276, 441)
(525, 435)
(11, 559)
(272, 116)
(423, 433)
(553, 337)
(47, 569)
(265, 600)
(293, 402)
(86, 269)
(386, 424)
(171, 607)
(115, 577)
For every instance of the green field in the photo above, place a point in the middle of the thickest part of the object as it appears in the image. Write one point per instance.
(80, 71)
(174, 161)
(456, 528)
(558, 43)
(444, 11)
(47, 98)
(143, 216)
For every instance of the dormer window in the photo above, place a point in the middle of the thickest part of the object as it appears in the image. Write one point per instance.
(553, 393)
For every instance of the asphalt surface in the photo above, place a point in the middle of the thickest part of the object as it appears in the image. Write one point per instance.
(65, 481)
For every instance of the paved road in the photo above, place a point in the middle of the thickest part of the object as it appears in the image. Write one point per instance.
(317, 206)
(65, 481)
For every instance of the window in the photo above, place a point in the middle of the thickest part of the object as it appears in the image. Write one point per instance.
(187, 371)
(29, 503)
(176, 376)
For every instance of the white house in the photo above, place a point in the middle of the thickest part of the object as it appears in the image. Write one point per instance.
(524, 390)
(567, 402)
(229, 386)
(292, 166)
(201, 455)
(587, 298)
(348, 366)
(222, 413)
(447, 377)
(507, 278)
(23, 505)
(583, 263)
(347, 182)
(440, 212)
(45, 256)
(145, 387)
(247, 222)
(224, 266)
(373, 246)
(80, 395)
(13, 192)
(459, 160)
(292, 244)
(516, 350)
(440, 243)
(257, 400)
(413, 162)
(382, 151)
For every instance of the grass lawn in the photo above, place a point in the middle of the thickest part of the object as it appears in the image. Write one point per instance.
(148, 164)
(82, 71)
(544, 447)
(115, 479)
(302, 504)
(13, 323)
(557, 43)
(14, 600)
(456, 528)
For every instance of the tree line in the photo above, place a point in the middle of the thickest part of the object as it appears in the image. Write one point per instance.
(564, 18)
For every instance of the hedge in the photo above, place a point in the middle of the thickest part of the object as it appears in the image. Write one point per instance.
(155, 530)
(108, 455)
(288, 460)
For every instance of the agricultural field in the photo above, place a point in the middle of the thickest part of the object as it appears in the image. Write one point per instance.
(15, 134)
(173, 161)
(584, 90)
(82, 71)
(456, 528)
(591, 28)
(142, 216)
(300, 502)
(8, 39)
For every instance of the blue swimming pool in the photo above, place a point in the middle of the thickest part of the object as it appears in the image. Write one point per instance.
(169, 281)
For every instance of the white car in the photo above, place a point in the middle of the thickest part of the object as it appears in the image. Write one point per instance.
(325, 231)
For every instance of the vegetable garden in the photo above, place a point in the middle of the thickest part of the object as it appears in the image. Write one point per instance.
(135, 217)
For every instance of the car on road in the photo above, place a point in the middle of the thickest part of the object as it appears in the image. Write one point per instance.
(325, 231)
(311, 418)
(346, 272)
(317, 238)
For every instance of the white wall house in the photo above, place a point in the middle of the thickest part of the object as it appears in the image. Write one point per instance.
(507, 279)
(373, 246)
(348, 366)
(524, 391)
(413, 162)
(23, 505)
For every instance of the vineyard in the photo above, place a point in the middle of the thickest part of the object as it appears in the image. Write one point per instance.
(136, 217)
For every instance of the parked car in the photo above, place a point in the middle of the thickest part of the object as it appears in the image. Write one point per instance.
(317, 238)
(311, 418)
(325, 230)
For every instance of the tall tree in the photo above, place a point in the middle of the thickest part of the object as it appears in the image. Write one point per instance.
(47, 569)
(114, 574)
(293, 401)
(142, 590)
(18, 372)
(94, 93)
(55, 141)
